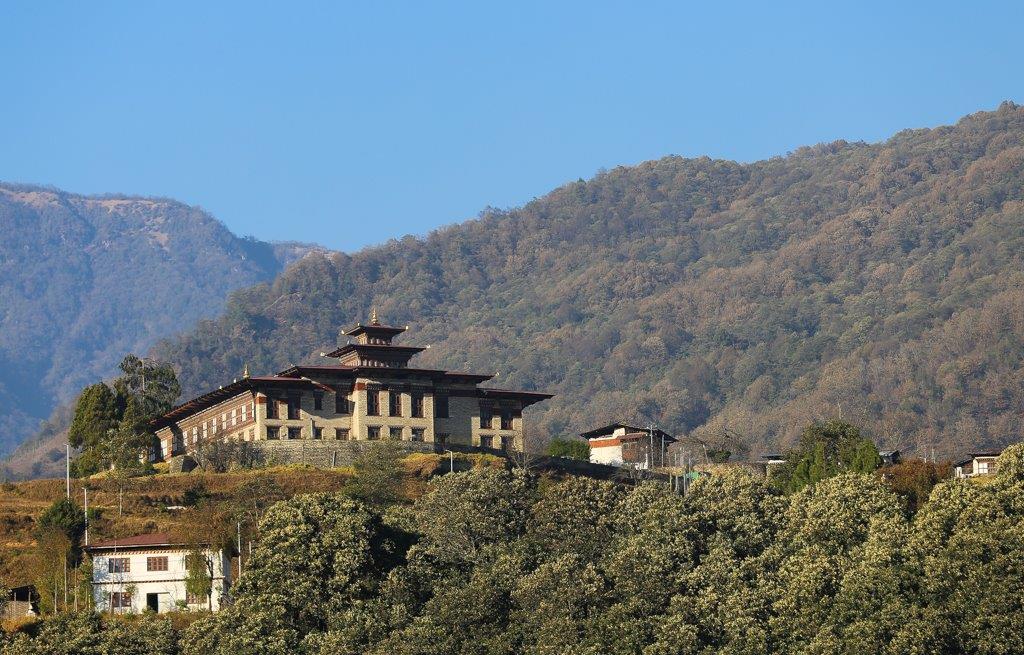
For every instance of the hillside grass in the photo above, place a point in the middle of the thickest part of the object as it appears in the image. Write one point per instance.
(145, 505)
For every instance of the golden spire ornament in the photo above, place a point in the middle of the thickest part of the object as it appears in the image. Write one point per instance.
(245, 371)
(373, 317)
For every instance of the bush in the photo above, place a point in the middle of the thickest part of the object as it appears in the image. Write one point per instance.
(569, 448)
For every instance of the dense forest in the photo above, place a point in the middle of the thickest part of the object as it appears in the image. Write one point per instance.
(494, 562)
(85, 280)
(880, 283)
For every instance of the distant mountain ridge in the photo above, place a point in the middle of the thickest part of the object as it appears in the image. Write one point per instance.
(85, 279)
(881, 283)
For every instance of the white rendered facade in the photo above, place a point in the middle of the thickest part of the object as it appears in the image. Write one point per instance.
(134, 578)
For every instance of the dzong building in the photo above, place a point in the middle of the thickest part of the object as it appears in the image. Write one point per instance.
(369, 393)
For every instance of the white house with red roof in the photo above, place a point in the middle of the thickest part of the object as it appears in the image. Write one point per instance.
(620, 444)
(148, 572)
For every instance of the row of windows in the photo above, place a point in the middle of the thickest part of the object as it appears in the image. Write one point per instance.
(124, 564)
(221, 423)
(487, 419)
(123, 599)
(293, 405)
(394, 403)
(373, 433)
(342, 405)
(487, 441)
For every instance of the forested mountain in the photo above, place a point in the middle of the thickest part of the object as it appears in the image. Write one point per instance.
(83, 280)
(883, 283)
(880, 282)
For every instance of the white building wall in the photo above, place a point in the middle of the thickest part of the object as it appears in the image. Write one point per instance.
(168, 586)
(610, 455)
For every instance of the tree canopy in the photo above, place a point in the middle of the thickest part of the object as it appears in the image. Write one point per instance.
(826, 450)
(491, 562)
(111, 423)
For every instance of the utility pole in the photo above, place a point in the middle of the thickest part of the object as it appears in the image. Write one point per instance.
(85, 493)
(239, 550)
(67, 472)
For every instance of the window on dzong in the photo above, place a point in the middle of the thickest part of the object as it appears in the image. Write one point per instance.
(417, 405)
(341, 402)
(395, 403)
(156, 563)
(441, 407)
(372, 402)
(318, 401)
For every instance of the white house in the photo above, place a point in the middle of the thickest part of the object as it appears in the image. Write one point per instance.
(620, 444)
(977, 464)
(148, 572)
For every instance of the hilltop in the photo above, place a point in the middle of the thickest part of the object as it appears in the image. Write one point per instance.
(85, 279)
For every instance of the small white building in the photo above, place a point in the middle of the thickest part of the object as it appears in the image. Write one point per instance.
(148, 572)
(977, 464)
(620, 444)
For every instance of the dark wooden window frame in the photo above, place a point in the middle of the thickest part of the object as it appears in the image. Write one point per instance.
(119, 565)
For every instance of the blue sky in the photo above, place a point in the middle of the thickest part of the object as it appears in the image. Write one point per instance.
(348, 124)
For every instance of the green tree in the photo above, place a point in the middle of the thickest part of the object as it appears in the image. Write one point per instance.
(568, 448)
(96, 413)
(826, 450)
(199, 575)
(378, 473)
(66, 517)
(914, 479)
(312, 564)
(147, 388)
(577, 515)
(821, 545)
(462, 515)
(112, 426)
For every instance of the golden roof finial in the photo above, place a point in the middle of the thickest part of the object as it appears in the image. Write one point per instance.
(245, 371)
(373, 317)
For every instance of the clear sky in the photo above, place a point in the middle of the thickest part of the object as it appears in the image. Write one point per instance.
(346, 124)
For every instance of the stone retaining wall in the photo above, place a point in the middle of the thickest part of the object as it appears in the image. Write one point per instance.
(331, 454)
(324, 454)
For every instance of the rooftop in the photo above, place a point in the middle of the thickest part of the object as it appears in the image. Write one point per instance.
(138, 541)
(607, 430)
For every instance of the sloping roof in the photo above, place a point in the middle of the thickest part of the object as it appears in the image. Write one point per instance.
(221, 394)
(389, 330)
(607, 430)
(526, 397)
(376, 347)
(142, 540)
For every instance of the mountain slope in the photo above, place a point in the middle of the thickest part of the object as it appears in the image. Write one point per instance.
(883, 283)
(83, 280)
